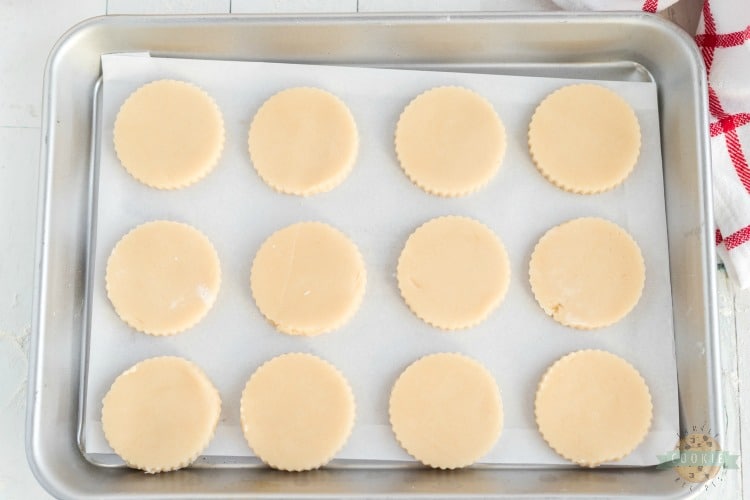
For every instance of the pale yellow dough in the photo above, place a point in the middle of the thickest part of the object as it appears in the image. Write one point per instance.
(169, 134)
(163, 277)
(446, 411)
(587, 273)
(303, 141)
(593, 407)
(584, 138)
(160, 414)
(450, 141)
(452, 272)
(297, 412)
(308, 278)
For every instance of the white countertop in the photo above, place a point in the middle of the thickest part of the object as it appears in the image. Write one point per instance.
(28, 30)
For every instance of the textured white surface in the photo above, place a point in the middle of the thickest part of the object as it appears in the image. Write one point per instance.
(28, 29)
(453, 5)
(19, 151)
(292, 6)
(35, 25)
(168, 7)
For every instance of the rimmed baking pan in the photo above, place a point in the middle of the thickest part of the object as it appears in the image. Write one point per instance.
(609, 47)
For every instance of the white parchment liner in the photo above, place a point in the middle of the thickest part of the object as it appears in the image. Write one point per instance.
(378, 207)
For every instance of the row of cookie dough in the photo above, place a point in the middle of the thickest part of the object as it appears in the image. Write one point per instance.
(309, 278)
(297, 411)
(449, 140)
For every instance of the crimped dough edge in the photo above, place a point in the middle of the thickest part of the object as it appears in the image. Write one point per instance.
(209, 166)
(179, 328)
(458, 192)
(600, 460)
(347, 434)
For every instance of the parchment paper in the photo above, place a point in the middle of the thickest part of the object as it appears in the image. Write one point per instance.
(378, 207)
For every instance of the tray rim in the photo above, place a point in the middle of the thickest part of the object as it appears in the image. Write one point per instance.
(48, 138)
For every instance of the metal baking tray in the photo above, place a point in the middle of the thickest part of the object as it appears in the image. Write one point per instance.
(637, 47)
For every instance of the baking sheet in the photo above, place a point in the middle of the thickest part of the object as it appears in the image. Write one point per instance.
(378, 207)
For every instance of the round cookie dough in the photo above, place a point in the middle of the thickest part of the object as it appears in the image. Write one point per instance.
(297, 412)
(308, 278)
(169, 134)
(445, 410)
(449, 141)
(163, 277)
(584, 138)
(593, 407)
(452, 272)
(587, 273)
(160, 414)
(303, 141)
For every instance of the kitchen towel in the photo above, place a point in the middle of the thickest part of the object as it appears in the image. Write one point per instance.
(724, 39)
(644, 5)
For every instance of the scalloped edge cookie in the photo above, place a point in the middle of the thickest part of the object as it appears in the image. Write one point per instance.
(583, 285)
(303, 306)
(438, 153)
(446, 385)
(131, 290)
(616, 380)
(584, 138)
(424, 289)
(278, 402)
(131, 439)
(140, 134)
(288, 153)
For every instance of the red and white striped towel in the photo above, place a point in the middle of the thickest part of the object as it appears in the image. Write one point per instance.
(644, 5)
(724, 39)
